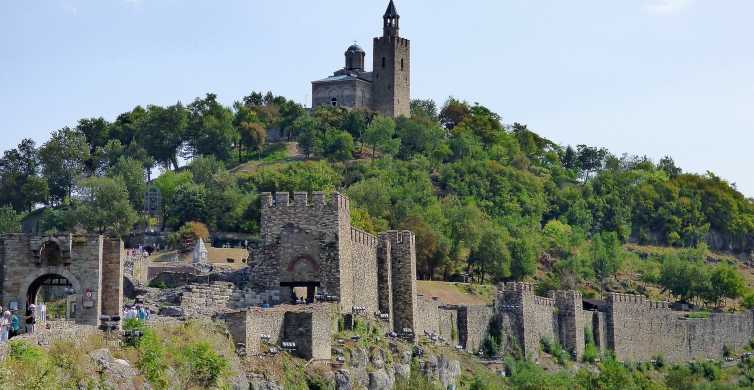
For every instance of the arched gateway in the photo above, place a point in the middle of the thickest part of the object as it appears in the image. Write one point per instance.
(83, 273)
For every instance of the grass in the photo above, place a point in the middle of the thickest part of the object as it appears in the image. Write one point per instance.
(193, 355)
(457, 293)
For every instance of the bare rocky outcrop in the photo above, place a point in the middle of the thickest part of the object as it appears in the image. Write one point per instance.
(114, 373)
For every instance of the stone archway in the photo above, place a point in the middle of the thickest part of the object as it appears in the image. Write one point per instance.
(32, 281)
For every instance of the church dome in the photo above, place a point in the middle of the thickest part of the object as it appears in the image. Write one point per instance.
(355, 48)
(355, 58)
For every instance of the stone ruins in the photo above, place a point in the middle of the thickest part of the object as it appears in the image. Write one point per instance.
(311, 272)
(87, 268)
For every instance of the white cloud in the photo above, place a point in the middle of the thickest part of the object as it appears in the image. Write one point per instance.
(665, 7)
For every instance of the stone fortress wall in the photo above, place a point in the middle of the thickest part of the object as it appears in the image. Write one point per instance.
(639, 329)
(308, 241)
(631, 326)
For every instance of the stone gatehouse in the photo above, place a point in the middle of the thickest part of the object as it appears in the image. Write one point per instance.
(88, 268)
(309, 249)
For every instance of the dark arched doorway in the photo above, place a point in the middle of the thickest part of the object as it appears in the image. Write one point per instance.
(55, 292)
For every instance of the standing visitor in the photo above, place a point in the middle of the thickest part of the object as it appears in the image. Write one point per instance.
(5, 327)
(15, 324)
(31, 318)
(143, 313)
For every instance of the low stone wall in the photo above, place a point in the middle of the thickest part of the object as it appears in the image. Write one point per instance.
(433, 316)
(309, 326)
(473, 325)
(207, 300)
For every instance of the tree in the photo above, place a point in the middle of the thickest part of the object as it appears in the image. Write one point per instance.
(668, 166)
(189, 204)
(210, 129)
(253, 136)
(380, 135)
(162, 132)
(204, 168)
(523, 258)
(20, 185)
(63, 159)
(97, 133)
(336, 145)
(355, 123)
(726, 282)
(606, 254)
(426, 108)
(307, 140)
(10, 220)
(104, 206)
(569, 159)
(131, 173)
(431, 250)
(590, 159)
(493, 256)
(168, 183)
(453, 113)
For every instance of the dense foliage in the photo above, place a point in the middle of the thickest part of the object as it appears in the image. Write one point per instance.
(487, 200)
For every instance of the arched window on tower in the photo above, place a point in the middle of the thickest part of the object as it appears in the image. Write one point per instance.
(384, 62)
(401, 64)
(334, 102)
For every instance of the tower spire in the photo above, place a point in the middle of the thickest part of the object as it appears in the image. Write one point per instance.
(390, 21)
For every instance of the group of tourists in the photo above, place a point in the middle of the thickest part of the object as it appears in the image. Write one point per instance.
(136, 311)
(11, 324)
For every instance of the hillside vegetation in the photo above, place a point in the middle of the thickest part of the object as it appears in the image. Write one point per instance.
(488, 201)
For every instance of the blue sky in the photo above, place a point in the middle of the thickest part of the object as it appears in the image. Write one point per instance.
(648, 77)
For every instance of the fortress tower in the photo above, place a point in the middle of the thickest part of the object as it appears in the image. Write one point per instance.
(309, 250)
(387, 89)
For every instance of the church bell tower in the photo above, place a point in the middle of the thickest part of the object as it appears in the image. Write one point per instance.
(391, 88)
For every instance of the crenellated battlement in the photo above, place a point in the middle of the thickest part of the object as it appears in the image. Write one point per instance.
(567, 295)
(542, 301)
(364, 238)
(636, 300)
(518, 287)
(302, 199)
(399, 237)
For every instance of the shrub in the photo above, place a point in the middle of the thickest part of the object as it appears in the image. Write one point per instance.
(590, 350)
(152, 360)
(204, 366)
(490, 346)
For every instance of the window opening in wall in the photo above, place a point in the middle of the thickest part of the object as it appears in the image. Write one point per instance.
(384, 62)
(401, 64)
(334, 102)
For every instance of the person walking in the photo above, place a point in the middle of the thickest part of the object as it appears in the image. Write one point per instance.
(5, 327)
(15, 325)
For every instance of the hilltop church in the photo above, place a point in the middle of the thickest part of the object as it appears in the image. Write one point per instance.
(386, 89)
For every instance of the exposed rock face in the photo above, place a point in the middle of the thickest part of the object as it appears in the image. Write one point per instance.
(343, 380)
(263, 384)
(380, 380)
(448, 371)
(171, 311)
(116, 373)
